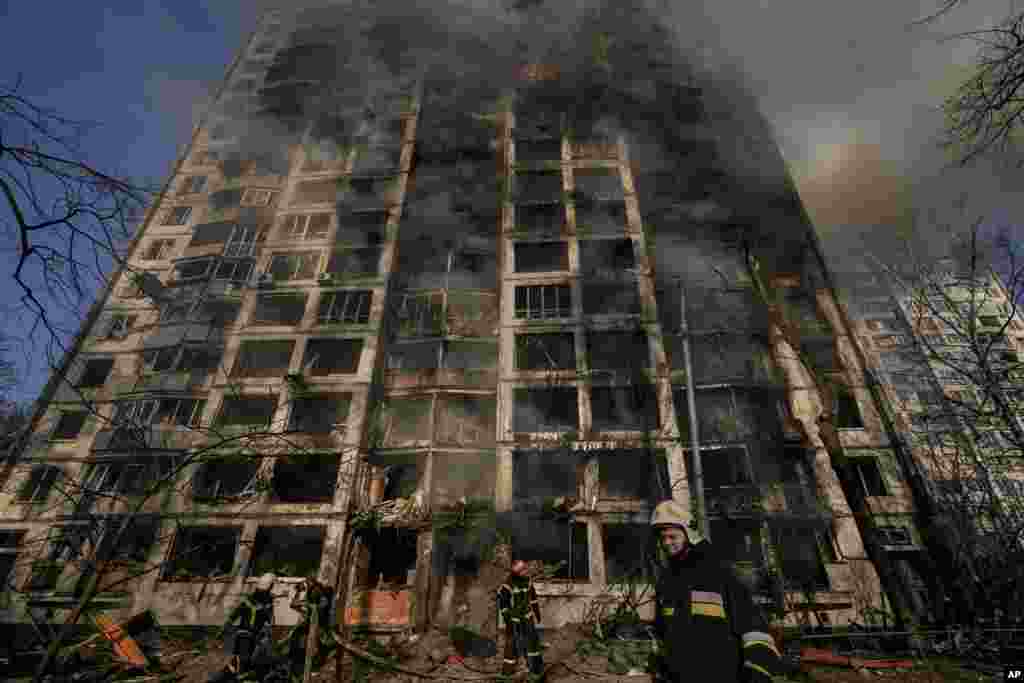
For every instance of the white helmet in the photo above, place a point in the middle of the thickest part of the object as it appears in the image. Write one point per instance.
(266, 582)
(671, 513)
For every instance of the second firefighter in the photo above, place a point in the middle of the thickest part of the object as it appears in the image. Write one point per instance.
(520, 610)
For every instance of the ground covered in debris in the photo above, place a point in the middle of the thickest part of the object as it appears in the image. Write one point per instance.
(433, 655)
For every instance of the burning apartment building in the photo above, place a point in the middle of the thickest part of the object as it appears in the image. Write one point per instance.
(421, 292)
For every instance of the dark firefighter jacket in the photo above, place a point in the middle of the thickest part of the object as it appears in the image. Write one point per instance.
(517, 600)
(709, 627)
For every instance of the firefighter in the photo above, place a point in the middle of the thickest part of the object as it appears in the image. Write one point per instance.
(520, 610)
(311, 595)
(249, 625)
(708, 625)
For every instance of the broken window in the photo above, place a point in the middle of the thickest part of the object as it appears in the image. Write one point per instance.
(407, 420)
(179, 215)
(725, 467)
(225, 199)
(401, 477)
(545, 410)
(305, 479)
(611, 298)
(362, 228)
(455, 476)
(226, 476)
(69, 424)
(41, 479)
(466, 421)
(129, 476)
(723, 358)
(845, 409)
(376, 161)
(247, 411)
(868, 475)
(392, 558)
(554, 351)
(720, 309)
(309, 226)
(633, 473)
(332, 356)
(415, 356)
(316, 192)
(631, 408)
(625, 548)
(544, 187)
(193, 183)
(600, 218)
(537, 475)
(600, 184)
(287, 551)
(279, 309)
(538, 150)
(202, 552)
(799, 549)
(210, 233)
(181, 359)
(345, 306)
(318, 414)
(611, 351)
(894, 535)
(183, 412)
(554, 542)
(296, 265)
(420, 315)
(740, 540)
(263, 358)
(63, 548)
(540, 302)
(158, 250)
(10, 542)
(354, 262)
(606, 258)
(538, 257)
(544, 218)
(95, 373)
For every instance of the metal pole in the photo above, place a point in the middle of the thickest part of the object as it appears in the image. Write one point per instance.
(697, 485)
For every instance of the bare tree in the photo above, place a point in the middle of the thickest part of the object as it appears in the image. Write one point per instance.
(68, 223)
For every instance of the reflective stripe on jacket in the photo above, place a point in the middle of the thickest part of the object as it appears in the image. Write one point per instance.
(709, 625)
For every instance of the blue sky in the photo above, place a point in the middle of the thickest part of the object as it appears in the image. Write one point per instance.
(137, 67)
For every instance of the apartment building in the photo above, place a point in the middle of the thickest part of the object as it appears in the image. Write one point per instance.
(395, 293)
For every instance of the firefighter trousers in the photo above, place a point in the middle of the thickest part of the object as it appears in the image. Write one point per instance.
(521, 640)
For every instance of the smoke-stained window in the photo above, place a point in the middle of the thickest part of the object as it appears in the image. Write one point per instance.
(263, 358)
(332, 356)
(552, 409)
(630, 408)
(539, 257)
(279, 309)
(549, 351)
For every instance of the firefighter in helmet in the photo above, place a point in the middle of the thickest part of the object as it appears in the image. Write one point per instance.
(520, 610)
(248, 626)
(708, 625)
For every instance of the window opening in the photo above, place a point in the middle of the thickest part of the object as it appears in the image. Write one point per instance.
(235, 270)
(347, 306)
(611, 351)
(546, 218)
(202, 552)
(541, 302)
(69, 424)
(279, 309)
(332, 356)
(420, 315)
(633, 473)
(847, 413)
(247, 411)
(318, 414)
(193, 269)
(538, 257)
(600, 217)
(539, 474)
(528, 151)
(740, 540)
(611, 298)
(554, 351)
(458, 476)
(545, 410)
(120, 325)
(287, 551)
(179, 215)
(95, 373)
(244, 241)
(538, 186)
(263, 358)
(606, 258)
(226, 477)
(305, 479)
(310, 226)
(554, 542)
(600, 184)
(354, 262)
(407, 420)
(869, 476)
(41, 480)
(210, 233)
(632, 408)
(625, 548)
(799, 554)
(158, 250)
(298, 265)
(392, 558)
